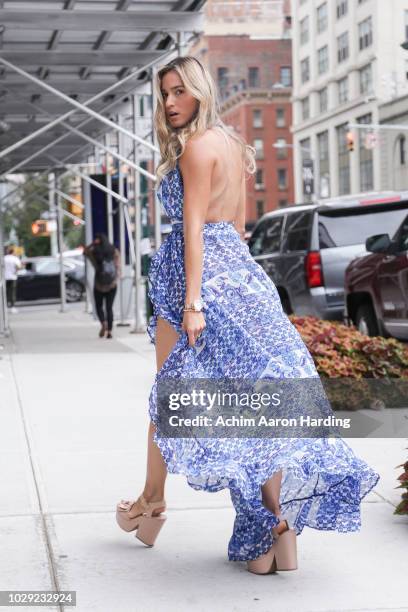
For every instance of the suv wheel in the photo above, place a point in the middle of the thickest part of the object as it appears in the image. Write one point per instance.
(366, 321)
(73, 291)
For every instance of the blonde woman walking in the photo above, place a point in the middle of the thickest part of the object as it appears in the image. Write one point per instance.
(218, 315)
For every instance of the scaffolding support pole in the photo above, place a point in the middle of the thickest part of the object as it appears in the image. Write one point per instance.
(4, 326)
(86, 198)
(128, 227)
(157, 206)
(139, 319)
(60, 226)
(122, 239)
(108, 180)
(53, 214)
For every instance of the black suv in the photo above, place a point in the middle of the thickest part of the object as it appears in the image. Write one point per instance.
(305, 249)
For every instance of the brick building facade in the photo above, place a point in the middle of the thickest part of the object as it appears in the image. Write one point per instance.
(254, 86)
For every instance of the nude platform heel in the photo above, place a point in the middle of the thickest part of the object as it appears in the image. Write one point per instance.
(281, 556)
(146, 524)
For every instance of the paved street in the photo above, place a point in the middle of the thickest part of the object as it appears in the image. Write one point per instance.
(73, 424)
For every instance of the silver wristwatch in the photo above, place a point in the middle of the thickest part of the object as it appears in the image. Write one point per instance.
(196, 306)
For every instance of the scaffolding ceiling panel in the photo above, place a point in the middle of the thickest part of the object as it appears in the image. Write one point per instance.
(80, 48)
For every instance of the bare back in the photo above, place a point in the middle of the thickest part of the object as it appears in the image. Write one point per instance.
(226, 199)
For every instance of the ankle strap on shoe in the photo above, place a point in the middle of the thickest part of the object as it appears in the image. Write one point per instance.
(150, 506)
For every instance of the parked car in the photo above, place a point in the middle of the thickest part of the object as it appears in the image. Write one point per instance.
(376, 286)
(305, 249)
(40, 279)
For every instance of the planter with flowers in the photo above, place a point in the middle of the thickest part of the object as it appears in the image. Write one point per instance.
(343, 353)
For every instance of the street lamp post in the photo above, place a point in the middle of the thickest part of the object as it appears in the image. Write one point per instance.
(279, 145)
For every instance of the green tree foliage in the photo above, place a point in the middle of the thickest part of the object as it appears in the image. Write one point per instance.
(20, 212)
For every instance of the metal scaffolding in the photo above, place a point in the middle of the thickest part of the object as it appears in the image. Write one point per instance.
(71, 79)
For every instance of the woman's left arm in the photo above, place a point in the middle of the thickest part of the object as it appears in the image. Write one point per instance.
(196, 165)
(88, 252)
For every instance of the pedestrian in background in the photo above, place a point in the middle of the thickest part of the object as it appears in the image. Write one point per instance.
(11, 266)
(106, 260)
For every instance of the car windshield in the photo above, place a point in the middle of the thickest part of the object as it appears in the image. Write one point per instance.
(345, 227)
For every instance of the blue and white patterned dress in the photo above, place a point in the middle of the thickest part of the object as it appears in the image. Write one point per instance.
(247, 335)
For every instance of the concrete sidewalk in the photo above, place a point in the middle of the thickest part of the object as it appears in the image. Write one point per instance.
(73, 426)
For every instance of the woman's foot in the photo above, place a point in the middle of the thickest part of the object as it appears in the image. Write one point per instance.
(138, 507)
(109, 334)
(142, 515)
(282, 555)
(103, 329)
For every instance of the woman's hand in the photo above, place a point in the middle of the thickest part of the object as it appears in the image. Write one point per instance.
(193, 324)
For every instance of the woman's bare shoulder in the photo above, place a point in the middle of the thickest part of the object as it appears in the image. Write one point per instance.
(200, 147)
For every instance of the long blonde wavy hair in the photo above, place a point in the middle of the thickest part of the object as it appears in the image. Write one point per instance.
(199, 83)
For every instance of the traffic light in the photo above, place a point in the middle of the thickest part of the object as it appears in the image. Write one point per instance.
(76, 209)
(40, 228)
(350, 141)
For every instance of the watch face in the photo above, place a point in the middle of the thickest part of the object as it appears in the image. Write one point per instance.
(198, 304)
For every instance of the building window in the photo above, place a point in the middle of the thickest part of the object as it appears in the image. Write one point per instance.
(366, 80)
(341, 8)
(305, 70)
(280, 117)
(406, 25)
(257, 118)
(286, 76)
(343, 90)
(322, 17)
(282, 178)
(305, 151)
(259, 148)
(222, 76)
(366, 157)
(305, 108)
(282, 149)
(343, 159)
(253, 76)
(342, 47)
(259, 179)
(304, 31)
(260, 208)
(282, 203)
(324, 165)
(323, 100)
(365, 33)
(402, 150)
(323, 59)
(305, 148)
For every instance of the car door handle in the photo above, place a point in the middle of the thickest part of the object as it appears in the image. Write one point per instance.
(388, 258)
